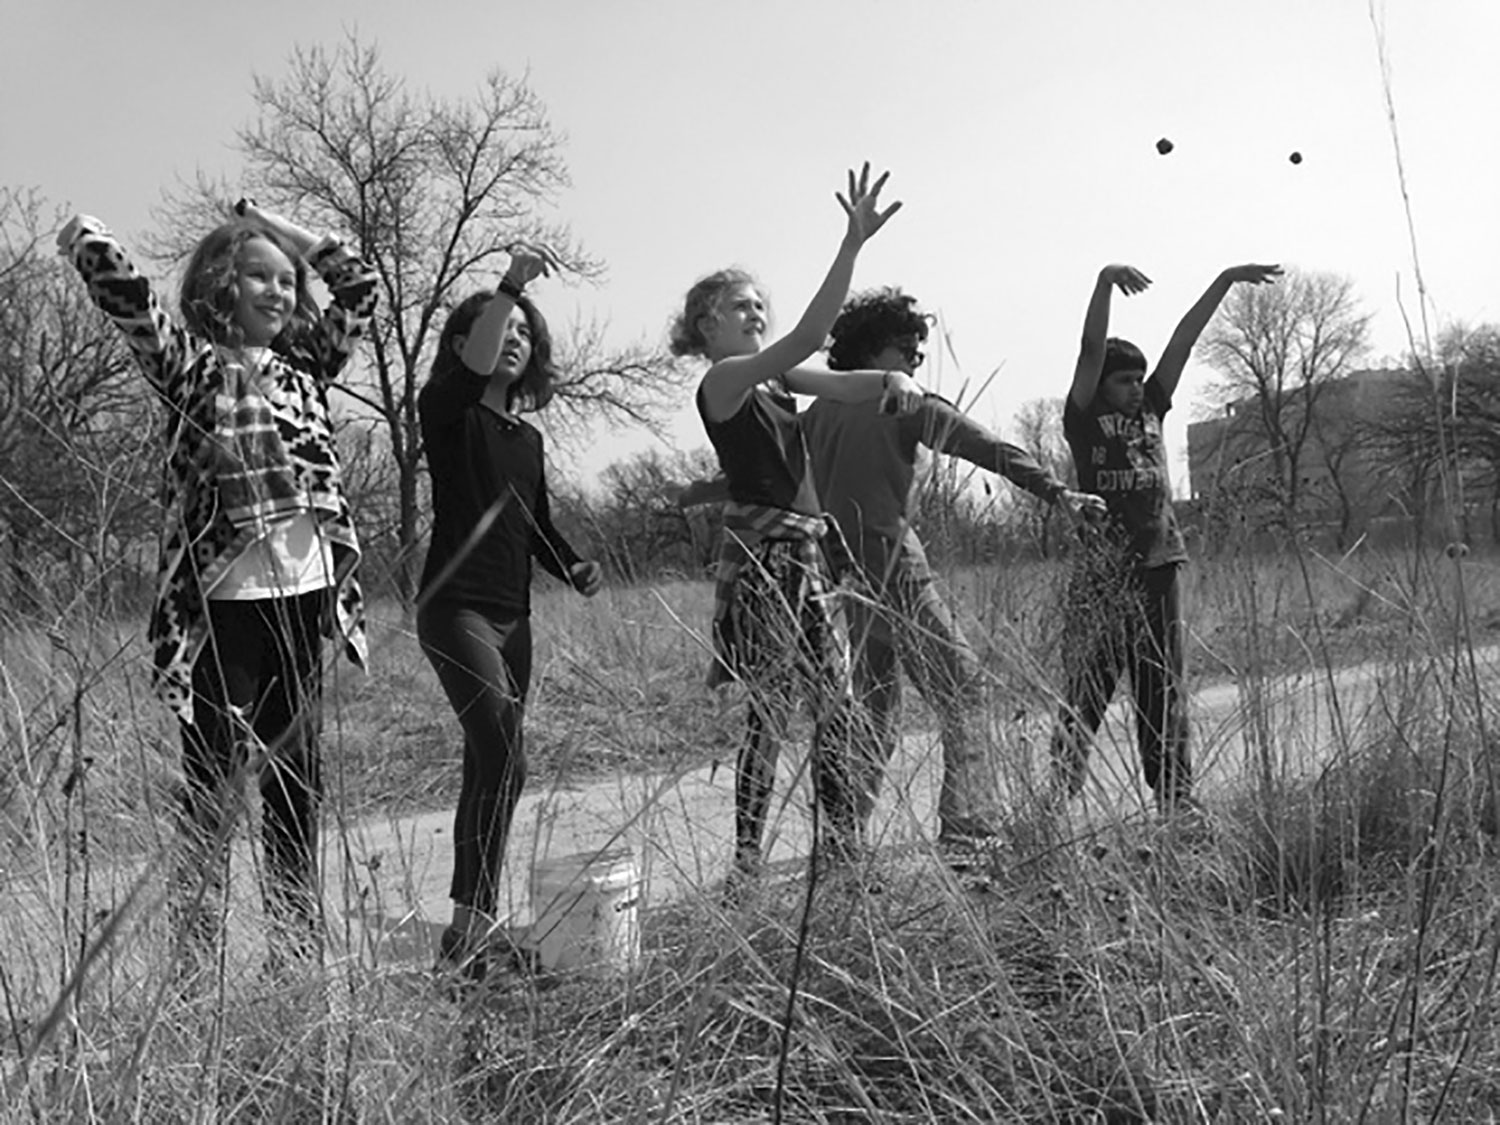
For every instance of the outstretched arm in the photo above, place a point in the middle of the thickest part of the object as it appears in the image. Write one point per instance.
(161, 347)
(1180, 347)
(730, 381)
(898, 392)
(949, 430)
(1096, 328)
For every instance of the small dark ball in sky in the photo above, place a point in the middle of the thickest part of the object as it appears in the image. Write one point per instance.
(1164, 146)
(1295, 158)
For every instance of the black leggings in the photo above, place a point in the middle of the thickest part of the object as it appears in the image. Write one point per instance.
(258, 684)
(484, 665)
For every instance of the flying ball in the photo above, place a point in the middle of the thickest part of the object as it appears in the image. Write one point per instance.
(1295, 158)
(1164, 146)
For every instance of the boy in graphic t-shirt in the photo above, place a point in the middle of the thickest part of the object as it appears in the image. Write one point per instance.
(1124, 611)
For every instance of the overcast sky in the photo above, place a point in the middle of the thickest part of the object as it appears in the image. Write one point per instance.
(1020, 136)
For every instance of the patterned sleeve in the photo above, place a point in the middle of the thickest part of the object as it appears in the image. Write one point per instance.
(353, 286)
(160, 345)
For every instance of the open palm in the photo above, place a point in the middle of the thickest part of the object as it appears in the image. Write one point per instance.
(862, 205)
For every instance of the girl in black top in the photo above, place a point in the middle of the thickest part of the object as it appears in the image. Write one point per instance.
(490, 519)
(771, 624)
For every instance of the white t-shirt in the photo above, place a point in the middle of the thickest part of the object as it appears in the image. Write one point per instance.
(291, 556)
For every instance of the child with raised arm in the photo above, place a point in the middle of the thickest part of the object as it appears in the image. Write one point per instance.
(1124, 610)
(772, 628)
(259, 553)
(864, 464)
(491, 518)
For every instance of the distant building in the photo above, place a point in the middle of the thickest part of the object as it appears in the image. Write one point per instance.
(1326, 466)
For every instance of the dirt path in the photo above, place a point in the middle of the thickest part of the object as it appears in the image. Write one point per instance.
(386, 881)
(680, 827)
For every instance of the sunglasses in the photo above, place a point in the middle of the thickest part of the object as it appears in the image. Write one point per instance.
(912, 354)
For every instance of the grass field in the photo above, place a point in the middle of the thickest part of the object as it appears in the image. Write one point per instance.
(1327, 952)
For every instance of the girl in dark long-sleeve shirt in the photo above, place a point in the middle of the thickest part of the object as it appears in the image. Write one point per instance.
(491, 518)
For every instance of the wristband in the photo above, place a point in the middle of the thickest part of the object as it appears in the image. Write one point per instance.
(241, 204)
(509, 288)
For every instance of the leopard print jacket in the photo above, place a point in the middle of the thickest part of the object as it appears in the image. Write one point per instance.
(199, 541)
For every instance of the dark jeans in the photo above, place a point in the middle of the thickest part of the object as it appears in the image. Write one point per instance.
(908, 624)
(484, 666)
(257, 704)
(1120, 620)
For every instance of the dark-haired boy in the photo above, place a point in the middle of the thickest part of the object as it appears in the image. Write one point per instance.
(1124, 609)
(864, 465)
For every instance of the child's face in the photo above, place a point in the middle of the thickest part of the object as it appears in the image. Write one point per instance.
(1123, 390)
(904, 354)
(267, 285)
(738, 325)
(515, 347)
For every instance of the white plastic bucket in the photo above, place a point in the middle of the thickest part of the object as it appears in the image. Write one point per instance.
(587, 911)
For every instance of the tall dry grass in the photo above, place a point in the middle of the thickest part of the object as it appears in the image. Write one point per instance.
(1326, 952)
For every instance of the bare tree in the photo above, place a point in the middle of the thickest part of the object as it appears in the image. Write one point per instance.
(75, 488)
(1437, 443)
(434, 191)
(1278, 349)
(638, 384)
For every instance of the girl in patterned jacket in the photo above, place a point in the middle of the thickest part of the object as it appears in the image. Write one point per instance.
(259, 552)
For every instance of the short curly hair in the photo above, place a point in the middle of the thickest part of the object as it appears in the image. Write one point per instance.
(870, 322)
(702, 300)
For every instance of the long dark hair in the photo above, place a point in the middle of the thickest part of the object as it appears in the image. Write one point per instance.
(534, 388)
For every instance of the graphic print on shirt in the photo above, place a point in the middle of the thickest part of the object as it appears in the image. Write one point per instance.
(1140, 440)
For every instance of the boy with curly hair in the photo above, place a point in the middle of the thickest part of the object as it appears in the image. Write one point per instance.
(864, 464)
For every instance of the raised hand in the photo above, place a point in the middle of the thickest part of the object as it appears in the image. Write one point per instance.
(1127, 279)
(527, 263)
(66, 236)
(862, 205)
(1252, 274)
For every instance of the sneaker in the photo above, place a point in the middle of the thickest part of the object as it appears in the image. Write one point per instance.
(461, 958)
(968, 851)
(845, 860)
(743, 880)
(1185, 819)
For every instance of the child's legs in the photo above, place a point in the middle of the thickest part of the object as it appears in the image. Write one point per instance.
(946, 670)
(484, 667)
(226, 686)
(288, 722)
(847, 750)
(755, 769)
(1095, 651)
(1160, 695)
(877, 679)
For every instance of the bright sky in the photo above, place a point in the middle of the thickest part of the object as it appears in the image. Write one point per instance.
(1020, 136)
